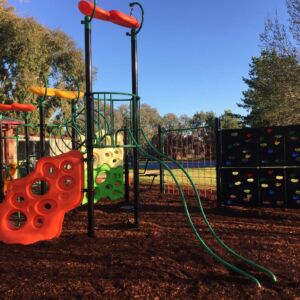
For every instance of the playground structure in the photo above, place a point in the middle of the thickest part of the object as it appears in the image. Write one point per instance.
(62, 179)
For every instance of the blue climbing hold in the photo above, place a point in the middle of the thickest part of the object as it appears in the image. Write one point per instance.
(271, 192)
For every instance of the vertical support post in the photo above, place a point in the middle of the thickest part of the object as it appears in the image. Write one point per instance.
(89, 106)
(126, 165)
(42, 127)
(27, 143)
(1, 163)
(42, 137)
(135, 124)
(161, 150)
(218, 136)
(73, 133)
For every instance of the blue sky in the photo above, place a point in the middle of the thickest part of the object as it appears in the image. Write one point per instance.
(192, 54)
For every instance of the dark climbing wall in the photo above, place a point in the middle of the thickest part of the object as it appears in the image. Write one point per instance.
(239, 148)
(292, 145)
(240, 186)
(272, 187)
(260, 167)
(271, 147)
(293, 187)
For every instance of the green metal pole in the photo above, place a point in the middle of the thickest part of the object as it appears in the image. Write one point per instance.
(135, 124)
(89, 105)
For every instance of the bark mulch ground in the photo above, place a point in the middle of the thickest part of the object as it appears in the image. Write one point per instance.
(160, 260)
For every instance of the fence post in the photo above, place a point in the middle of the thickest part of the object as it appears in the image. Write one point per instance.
(27, 143)
(218, 143)
(126, 165)
(161, 170)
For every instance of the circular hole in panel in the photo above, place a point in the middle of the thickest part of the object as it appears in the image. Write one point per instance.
(67, 166)
(116, 151)
(66, 183)
(49, 170)
(47, 206)
(39, 222)
(108, 186)
(20, 199)
(117, 183)
(115, 160)
(101, 177)
(17, 220)
(107, 154)
(39, 187)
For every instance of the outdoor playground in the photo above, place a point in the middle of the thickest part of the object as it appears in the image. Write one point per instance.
(101, 211)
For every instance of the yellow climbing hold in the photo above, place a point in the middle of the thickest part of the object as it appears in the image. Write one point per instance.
(294, 180)
(41, 91)
(264, 185)
(237, 183)
(235, 173)
(250, 180)
(68, 95)
(279, 177)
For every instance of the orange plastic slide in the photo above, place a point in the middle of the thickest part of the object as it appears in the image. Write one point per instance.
(27, 217)
(113, 16)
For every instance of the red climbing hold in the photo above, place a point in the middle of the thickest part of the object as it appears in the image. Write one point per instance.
(5, 107)
(27, 215)
(87, 9)
(124, 20)
(23, 107)
(113, 16)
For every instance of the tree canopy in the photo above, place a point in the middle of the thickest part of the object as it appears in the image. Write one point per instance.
(28, 49)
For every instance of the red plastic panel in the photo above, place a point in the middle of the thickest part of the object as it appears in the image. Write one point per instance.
(113, 16)
(23, 107)
(27, 217)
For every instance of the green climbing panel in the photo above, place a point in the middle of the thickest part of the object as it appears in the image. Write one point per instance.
(108, 184)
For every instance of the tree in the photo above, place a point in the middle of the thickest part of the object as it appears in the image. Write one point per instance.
(150, 119)
(294, 12)
(198, 119)
(203, 119)
(276, 38)
(28, 49)
(184, 121)
(170, 121)
(230, 120)
(273, 91)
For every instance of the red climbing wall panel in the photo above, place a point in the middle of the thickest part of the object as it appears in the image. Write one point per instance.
(28, 215)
